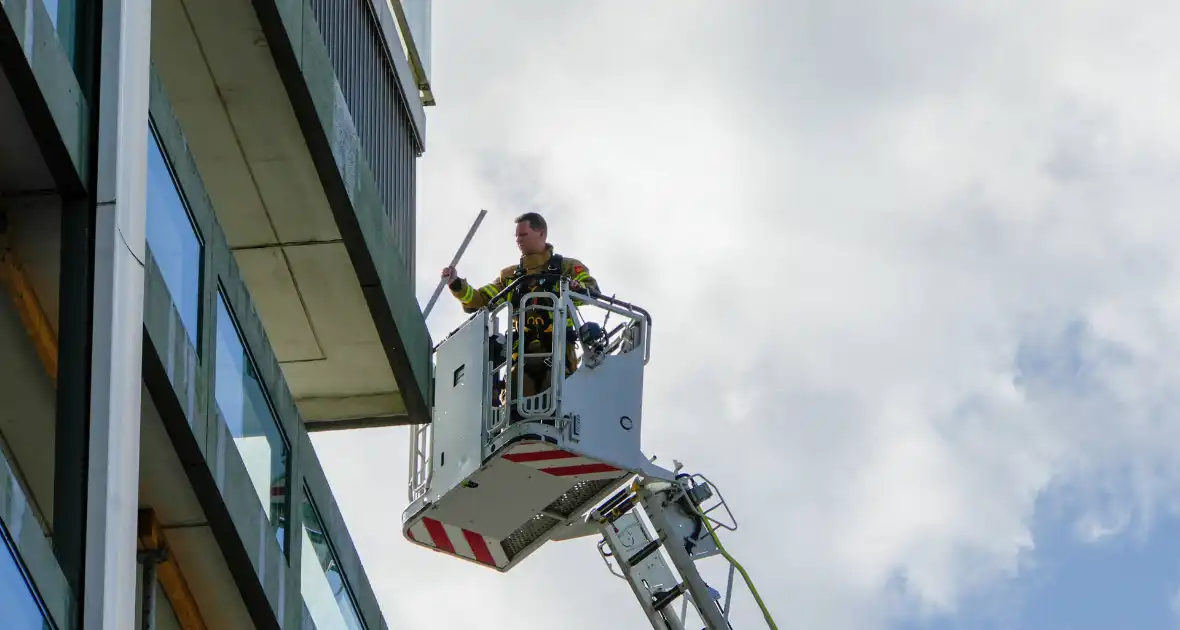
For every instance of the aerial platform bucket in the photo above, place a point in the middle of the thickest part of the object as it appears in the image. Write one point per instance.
(528, 492)
(491, 487)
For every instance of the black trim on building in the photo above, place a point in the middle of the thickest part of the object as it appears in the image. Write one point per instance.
(76, 301)
(72, 433)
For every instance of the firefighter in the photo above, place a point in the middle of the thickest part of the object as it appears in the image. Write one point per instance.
(536, 256)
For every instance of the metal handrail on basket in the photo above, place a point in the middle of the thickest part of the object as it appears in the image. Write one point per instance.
(547, 400)
(514, 371)
(499, 416)
(421, 466)
(595, 295)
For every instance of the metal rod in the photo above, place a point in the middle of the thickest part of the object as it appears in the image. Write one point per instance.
(729, 590)
(454, 261)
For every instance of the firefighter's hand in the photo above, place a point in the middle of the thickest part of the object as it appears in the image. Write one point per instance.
(449, 274)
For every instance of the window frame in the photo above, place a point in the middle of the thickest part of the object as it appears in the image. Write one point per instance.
(8, 544)
(221, 296)
(155, 138)
(309, 499)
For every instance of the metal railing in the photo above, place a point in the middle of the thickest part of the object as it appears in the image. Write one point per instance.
(420, 461)
(542, 403)
(365, 68)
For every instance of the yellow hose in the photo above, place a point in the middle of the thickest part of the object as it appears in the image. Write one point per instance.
(745, 576)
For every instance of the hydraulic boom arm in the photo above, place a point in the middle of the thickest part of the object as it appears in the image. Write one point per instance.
(656, 533)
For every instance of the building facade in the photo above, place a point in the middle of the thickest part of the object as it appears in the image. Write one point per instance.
(207, 232)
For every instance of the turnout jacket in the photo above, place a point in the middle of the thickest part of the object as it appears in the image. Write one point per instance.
(474, 299)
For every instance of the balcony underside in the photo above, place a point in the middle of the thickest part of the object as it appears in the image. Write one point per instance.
(22, 168)
(220, 76)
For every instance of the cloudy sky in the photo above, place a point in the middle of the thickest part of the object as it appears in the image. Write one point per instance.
(908, 265)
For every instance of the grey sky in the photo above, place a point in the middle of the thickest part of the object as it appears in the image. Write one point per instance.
(908, 265)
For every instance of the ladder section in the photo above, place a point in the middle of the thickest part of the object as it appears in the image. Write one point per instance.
(657, 534)
(646, 570)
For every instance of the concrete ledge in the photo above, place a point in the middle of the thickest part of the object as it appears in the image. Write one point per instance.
(307, 72)
(333, 409)
(178, 356)
(367, 422)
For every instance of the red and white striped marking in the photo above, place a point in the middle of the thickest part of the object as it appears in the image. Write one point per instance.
(457, 541)
(551, 460)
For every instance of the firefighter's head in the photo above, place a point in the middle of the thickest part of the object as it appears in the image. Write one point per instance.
(531, 232)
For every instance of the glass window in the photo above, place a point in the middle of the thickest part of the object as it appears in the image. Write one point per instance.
(321, 579)
(27, 558)
(18, 604)
(245, 407)
(173, 239)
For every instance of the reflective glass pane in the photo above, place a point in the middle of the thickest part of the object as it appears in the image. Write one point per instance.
(242, 401)
(18, 604)
(173, 239)
(321, 580)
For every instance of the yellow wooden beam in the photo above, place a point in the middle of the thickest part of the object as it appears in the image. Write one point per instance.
(152, 538)
(12, 274)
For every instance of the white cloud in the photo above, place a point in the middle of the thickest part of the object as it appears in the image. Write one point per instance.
(871, 238)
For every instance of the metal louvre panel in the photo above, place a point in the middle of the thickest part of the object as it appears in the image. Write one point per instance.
(370, 86)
